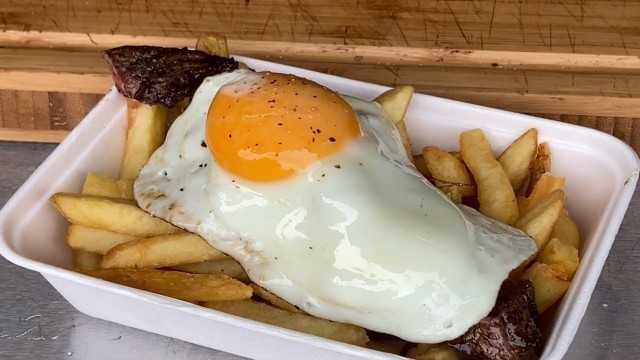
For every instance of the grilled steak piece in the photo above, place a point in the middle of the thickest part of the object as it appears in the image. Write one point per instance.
(158, 75)
(509, 332)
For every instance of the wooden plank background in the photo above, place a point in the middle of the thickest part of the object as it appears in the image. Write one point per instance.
(562, 26)
(571, 60)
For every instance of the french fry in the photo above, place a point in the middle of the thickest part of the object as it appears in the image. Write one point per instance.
(111, 214)
(258, 311)
(394, 103)
(566, 230)
(176, 284)
(161, 251)
(453, 191)
(544, 186)
(147, 130)
(522, 205)
(445, 167)
(100, 185)
(457, 155)
(495, 194)
(273, 299)
(547, 284)
(421, 165)
(213, 44)
(216, 44)
(539, 221)
(560, 253)
(516, 160)
(541, 164)
(94, 240)
(226, 266)
(448, 174)
(86, 260)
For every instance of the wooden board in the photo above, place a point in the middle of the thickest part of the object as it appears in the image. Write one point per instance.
(546, 83)
(562, 26)
(49, 116)
(575, 59)
(41, 116)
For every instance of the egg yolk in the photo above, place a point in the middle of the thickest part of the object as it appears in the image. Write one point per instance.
(268, 126)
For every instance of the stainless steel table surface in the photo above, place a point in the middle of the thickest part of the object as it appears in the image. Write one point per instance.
(37, 323)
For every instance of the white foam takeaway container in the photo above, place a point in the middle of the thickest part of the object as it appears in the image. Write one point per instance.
(601, 173)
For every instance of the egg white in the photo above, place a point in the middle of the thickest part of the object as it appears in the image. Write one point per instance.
(361, 237)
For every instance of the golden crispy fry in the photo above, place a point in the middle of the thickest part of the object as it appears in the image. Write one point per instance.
(545, 185)
(448, 174)
(213, 44)
(176, 284)
(147, 130)
(226, 266)
(258, 311)
(566, 230)
(395, 102)
(522, 205)
(457, 155)
(421, 165)
(273, 299)
(495, 194)
(539, 221)
(100, 185)
(94, 240)
(111, 214)
(557, 252)
(161, 251)
(455, 192)
(86, 260)
(445, 167)
(432, 352)
(541, 164)
(547, 284)
(516, 160)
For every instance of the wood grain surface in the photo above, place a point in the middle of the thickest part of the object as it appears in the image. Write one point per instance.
(563, 26)
(575, 61)
(41, 116)
(529, 86)
(49, 116)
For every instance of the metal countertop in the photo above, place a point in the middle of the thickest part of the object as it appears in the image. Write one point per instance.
(37, 323)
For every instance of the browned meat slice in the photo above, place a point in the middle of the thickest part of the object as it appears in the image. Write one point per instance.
(158, 75)
(509, 332)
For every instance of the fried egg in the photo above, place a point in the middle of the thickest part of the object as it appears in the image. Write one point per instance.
(314, 194)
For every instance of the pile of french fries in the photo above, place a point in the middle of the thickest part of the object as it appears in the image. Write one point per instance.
(114, 240)
(496, 188)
